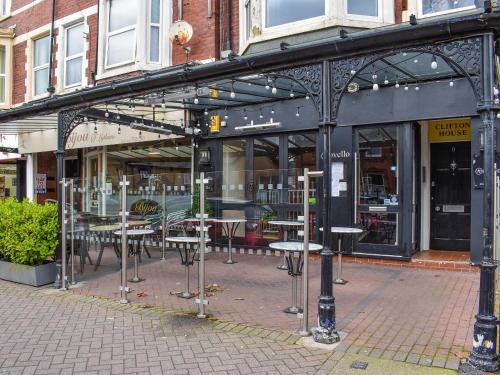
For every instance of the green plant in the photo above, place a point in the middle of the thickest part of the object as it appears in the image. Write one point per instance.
(195, 206)
(28, 231)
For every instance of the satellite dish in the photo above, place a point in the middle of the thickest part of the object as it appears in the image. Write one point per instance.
(180, 32)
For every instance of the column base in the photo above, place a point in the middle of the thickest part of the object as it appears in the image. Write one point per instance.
(468, 369)
(325, 336)
(58, 282)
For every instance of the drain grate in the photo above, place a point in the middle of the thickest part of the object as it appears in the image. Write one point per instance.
(359, 365)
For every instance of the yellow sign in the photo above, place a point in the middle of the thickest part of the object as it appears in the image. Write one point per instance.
(215, 124)
(458, 129)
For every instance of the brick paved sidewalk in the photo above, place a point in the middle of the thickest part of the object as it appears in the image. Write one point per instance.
(419, 316)
(51, 332)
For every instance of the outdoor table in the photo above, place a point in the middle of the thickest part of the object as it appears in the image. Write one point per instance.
(135, 247)
(294, 266)
(187, 255)
(341, 232)
(100, 231)
(138, 223)
(229, 226)
(283, 228)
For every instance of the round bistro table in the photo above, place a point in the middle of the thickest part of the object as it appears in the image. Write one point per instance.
(136, 243)
(341, 232)
(187, 255)
(283, 226)
(294, 266)
(229, 226)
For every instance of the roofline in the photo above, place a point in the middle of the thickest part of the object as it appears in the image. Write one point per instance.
(364, 41)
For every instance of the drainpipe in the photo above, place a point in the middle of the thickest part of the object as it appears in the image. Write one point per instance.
(228, 30)
(179, 9)
(51, 88)
(96, 66)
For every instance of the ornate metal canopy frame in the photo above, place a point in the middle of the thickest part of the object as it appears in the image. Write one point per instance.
(464, 55)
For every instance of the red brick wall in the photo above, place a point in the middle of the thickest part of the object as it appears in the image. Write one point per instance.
(46, 164)
(92, 53)
(18, 81)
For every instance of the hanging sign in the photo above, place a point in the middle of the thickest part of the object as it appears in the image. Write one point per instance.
(450, 130)
(41, 184)
(215, 124)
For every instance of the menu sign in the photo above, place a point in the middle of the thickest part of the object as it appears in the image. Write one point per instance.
(41, 184)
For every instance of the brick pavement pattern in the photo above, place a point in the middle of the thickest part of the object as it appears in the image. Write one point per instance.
(50, 332)
(418, 316)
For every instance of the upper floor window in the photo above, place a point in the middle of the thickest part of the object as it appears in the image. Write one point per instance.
(280, 12)
(73, 55)
(3, 63)
(365, 8)
(41, 51)
(121, 32)
(4, 7)
(154, 30)
(436, 7)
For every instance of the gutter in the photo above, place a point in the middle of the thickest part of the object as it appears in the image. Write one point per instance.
(362, 42)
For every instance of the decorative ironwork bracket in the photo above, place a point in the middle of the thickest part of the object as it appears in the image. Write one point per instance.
(67, 121)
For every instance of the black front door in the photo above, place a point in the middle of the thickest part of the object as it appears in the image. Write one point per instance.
(450, 196)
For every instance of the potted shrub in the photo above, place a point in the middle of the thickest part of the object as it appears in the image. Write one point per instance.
(28, 240)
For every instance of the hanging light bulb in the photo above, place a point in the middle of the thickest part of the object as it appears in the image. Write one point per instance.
(260, 114)
(353, 72)
(205, 112)
(226, 116)
(406, 87)
(498, 115)
(106, 114)
(404, 53)
(417, 87)
(307, 96)
(298, 112)
(163, 105)
(451, 82)
(396, 85)
(495, 91)
(176, 146)
(274, 90)
(245, 114)
(434, 63)
(375, 86)
(415, 61)
(85, 119)
(118, 116)
(196, 100)
(292, 94)
(233, 94)
(374, 76)
(272, 111)
(386, 81)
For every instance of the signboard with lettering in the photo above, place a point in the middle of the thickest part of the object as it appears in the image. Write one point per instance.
(450, 130)
(41, 184)
(145, 207)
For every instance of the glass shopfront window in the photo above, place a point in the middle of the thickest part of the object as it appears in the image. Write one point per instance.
(378, 193)
(233, 160)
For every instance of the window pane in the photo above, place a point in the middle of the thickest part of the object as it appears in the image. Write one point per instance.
(74, 42)
(233, 167)
(363, 8)
(2, 59)
(121, 47)
(378, 156)
(42, 50)
(73, 71)
(2, 89)
(434, 6)
(378, 228)
(41, 81)
(154, 48)
(279, 12)
(122, 13)
(155, 11)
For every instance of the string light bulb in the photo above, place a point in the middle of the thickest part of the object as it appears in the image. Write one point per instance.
(375, 86)
(163, 105)
(396, 85)
(233, 94)
(245, 114)
(292, 94)
(272, 111)
(451, 82)
(205, 112)
(307, 96)
(274, 90)
(196, 100)
(298, 112)
(226, 115)
(434, 64)
(261, 115)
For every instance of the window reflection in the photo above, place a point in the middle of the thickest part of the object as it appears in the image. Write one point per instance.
(378, 158)
(233, 175)
(378, 228)
(438, 6)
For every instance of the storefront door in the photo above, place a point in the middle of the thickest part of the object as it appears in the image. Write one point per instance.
(450, 195)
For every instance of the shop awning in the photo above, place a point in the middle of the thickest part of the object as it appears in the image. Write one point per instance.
(29, 125)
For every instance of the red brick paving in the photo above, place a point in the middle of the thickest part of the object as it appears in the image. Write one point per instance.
(415, 315)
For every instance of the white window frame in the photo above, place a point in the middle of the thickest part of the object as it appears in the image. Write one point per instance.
(72, 57)
(306, 21)
(160, 34)
(116, 32)
(421, 14)
(5, 8)
(35, 69)
(360, 17)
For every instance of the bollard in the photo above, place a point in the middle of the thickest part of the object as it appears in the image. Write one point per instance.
(124, 288)
(63, 234)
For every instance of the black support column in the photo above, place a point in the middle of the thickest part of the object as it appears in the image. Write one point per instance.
(59, 176)
(484, 353)
(326, 331)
